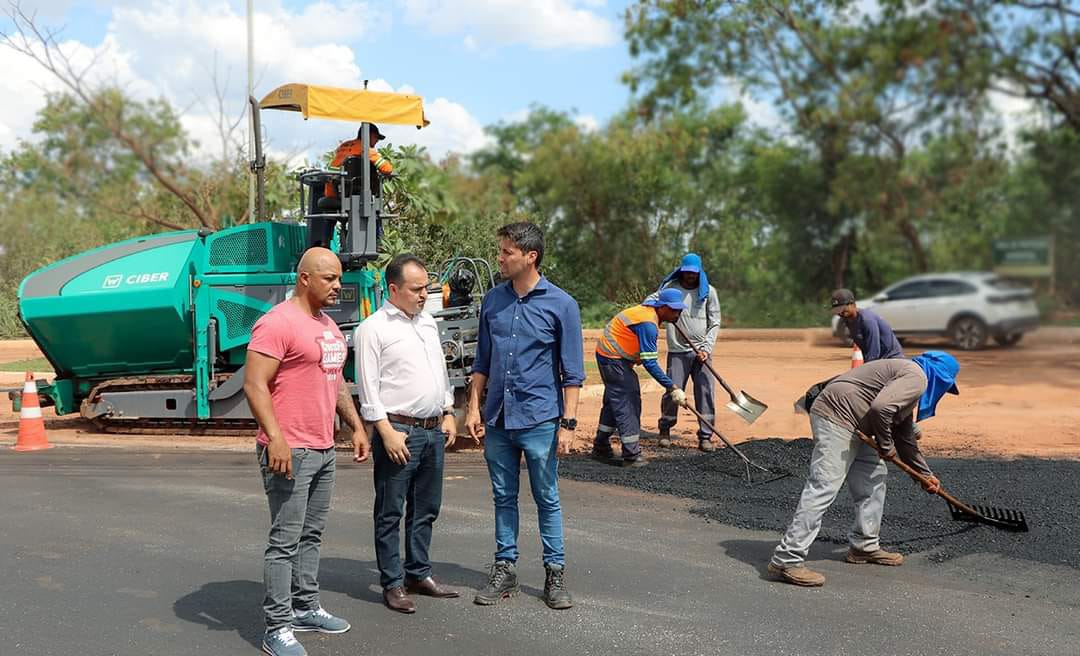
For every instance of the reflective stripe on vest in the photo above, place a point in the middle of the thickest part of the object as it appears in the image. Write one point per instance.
(619, 342)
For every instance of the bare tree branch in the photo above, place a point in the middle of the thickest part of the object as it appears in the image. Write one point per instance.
(41, 45)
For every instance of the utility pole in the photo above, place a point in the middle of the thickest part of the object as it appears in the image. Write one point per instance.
(251, 121)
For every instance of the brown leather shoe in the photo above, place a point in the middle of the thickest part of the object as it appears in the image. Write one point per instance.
(396, 599)
(429, 587)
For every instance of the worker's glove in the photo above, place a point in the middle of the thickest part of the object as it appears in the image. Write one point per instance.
(678, 396)
(932, 484)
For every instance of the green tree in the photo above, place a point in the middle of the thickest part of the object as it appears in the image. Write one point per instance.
(849, 84)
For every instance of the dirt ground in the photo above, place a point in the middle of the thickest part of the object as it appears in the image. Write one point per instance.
(1019, 401)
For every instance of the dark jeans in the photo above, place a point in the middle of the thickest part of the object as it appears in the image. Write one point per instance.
(621, 411)
(503, 450)
(414, 489)
(298, 510)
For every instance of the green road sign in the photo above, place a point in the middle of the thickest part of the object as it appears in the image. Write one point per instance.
(1027, 258)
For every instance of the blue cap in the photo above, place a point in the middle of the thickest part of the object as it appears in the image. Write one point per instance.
(669, 297)
(691, 263)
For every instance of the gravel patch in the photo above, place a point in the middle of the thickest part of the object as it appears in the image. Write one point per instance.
(1047, 491)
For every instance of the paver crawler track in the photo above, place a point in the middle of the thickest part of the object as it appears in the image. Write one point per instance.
(156, 425)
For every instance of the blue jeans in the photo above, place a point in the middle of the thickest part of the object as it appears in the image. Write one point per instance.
(298, 510)
(503, 450)
(413, 489)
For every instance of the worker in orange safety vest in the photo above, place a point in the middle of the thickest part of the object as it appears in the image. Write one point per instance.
(352, 148)
(630, 339)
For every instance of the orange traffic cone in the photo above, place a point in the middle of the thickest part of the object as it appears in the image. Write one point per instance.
(856, 356)
(31, 425)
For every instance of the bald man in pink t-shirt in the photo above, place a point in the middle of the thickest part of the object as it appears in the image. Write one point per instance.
(294, 385)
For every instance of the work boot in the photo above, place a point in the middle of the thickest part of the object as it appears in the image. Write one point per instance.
(665, 439)
(603, 456)
(798, 575)
(876, 557)
(706, 445)
(640, 461)
(318, 620)
(555, 594)
(501, 584)
(282, 642)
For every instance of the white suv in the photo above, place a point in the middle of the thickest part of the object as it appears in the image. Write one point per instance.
(965, 307)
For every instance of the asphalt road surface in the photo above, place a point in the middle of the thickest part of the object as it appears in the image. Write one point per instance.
(111, 552)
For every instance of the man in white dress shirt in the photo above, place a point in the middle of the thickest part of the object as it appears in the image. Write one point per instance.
(405, 392)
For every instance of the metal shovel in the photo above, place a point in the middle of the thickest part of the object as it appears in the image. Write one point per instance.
(742, 403)
(1010, 520)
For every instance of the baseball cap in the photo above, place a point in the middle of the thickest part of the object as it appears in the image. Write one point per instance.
(669, 297)
(840, 298)
(379, 136)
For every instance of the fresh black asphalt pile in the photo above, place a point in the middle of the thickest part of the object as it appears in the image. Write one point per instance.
(1047, 491)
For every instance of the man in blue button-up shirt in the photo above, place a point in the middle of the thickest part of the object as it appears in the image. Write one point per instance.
(529, 361)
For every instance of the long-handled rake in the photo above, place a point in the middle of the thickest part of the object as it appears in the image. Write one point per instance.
(1010, 520)
(747, 462)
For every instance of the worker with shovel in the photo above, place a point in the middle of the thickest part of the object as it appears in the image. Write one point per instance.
(884, 399)
(700, 322)
(630, 339)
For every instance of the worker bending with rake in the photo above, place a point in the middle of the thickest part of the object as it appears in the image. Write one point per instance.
(882, 399)
(630, 339)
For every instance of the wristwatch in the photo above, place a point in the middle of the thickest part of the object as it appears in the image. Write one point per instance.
(568, 423)
(447, 413)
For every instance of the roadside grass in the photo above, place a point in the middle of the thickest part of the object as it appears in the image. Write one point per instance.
(31, 364)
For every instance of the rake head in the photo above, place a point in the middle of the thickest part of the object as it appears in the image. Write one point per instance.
(1010, 520)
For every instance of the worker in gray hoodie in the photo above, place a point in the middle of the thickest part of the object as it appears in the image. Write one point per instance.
(883, 399)
(701, 323)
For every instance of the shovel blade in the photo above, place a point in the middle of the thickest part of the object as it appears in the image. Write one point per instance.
(747, 407)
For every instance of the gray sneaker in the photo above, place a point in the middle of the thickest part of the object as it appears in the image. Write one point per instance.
(501, 584)
(282, 642)
(319, 620)
(555, 594)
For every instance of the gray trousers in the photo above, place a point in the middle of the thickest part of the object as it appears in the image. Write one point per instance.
(298, 510)
(680, 368)
(838, 455)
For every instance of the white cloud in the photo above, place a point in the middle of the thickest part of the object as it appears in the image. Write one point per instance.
(452, 128)
(587, 123)
(173, 49)
(545, 24)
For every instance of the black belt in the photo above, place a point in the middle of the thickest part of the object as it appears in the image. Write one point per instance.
(427, 424)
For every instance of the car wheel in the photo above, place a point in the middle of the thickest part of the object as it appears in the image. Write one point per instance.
(969, 333)
(1008, 340)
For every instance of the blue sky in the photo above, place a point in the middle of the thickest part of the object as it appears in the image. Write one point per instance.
(475, 62)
